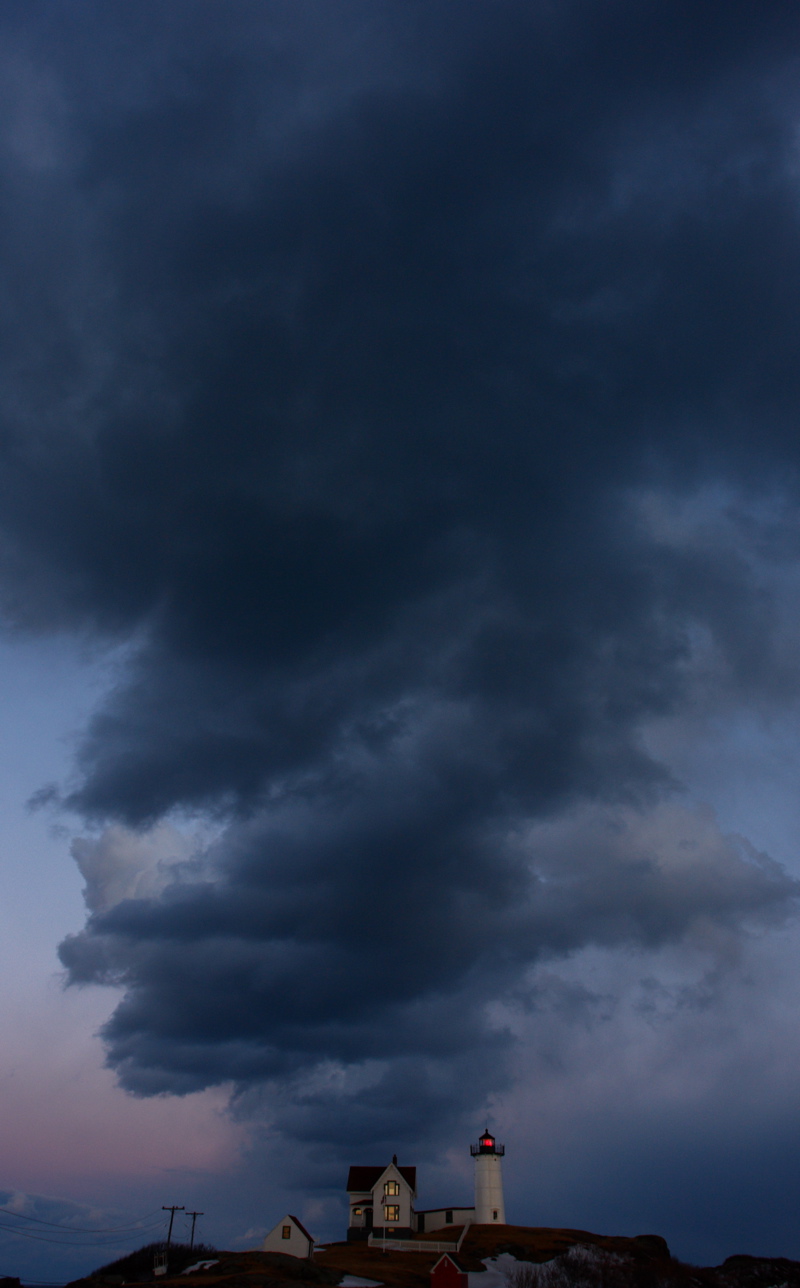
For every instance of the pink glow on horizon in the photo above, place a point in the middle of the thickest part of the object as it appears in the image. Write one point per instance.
(65, 1120)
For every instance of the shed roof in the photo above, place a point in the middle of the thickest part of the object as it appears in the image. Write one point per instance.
(448, 1256)
(360, 1179)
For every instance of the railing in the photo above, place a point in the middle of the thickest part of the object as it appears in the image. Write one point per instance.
(418, 1245)
(411, 1245)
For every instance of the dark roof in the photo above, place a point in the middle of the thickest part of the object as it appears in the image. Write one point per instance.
(300, 1226)
(363, 1178)
(446, 1207)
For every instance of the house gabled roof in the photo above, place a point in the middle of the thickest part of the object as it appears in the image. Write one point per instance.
(361, 1179)
(448, 1256)
(301, 1227)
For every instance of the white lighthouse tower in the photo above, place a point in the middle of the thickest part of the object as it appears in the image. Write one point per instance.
(489, 1207)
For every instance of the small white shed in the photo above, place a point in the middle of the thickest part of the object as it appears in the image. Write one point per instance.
(289, 1236)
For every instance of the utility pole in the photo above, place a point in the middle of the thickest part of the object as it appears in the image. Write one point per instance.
(172, 1210)
(194, 1216)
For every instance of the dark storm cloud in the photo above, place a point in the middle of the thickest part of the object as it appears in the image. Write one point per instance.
(344, 346)
(377, 932)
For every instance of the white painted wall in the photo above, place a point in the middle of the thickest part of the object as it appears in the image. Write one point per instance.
(297, 1245)
(489, 1190)
(438, 1220)
(403, 1199)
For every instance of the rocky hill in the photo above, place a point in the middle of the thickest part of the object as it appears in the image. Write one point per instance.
(530, 1257)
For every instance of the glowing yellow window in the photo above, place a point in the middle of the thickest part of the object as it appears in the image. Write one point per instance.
(391, 1187)
(393, 1212)
(286, 1232)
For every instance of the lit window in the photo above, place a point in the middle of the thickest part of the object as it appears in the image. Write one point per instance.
(391, 1187)
(358, 1211)
(286, 1232)
(393, 1212)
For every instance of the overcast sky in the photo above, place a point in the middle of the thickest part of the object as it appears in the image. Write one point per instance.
(400, 587)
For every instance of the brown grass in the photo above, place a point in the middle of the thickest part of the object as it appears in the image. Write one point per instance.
(560, 1258)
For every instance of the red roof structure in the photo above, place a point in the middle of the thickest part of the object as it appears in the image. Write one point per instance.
(361, 1179)
(448, 1273)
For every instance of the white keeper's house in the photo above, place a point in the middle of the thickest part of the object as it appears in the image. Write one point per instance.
(383, 1199)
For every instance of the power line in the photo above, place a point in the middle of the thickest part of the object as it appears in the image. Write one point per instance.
(19, 1232)
(65, 1229)
(66, 1243)
(45, 1237)
(194, 1216)
(59, 1225)
(171, 1211)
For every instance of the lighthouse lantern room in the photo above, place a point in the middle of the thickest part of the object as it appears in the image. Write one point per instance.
(489, 1206)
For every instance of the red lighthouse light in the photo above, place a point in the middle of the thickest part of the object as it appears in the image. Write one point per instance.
(487, 1145)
